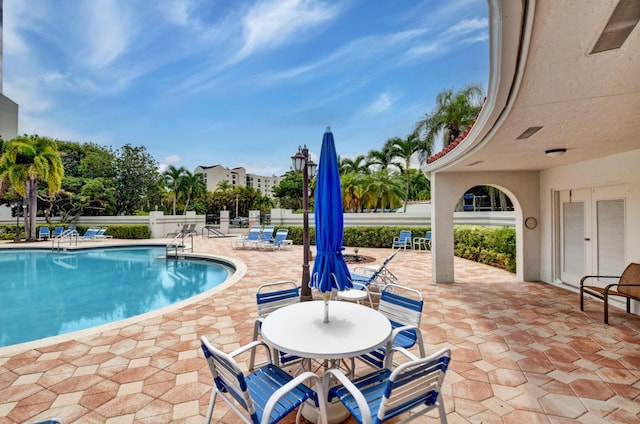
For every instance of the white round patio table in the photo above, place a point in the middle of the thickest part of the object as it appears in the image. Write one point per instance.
(352, 330)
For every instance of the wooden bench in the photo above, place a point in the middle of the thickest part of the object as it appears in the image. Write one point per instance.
(628, 286)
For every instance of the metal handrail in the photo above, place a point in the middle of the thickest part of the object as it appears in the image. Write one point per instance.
(178, 243)
(69, 234)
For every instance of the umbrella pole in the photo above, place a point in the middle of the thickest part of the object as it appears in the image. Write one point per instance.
(326, 296)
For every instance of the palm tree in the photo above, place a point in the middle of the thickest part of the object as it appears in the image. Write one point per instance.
(191, 186)
(27, 160)
(358, 165)
(172, 180)
(382, 159)
(452, 114)
(384, 190)
(405, 149)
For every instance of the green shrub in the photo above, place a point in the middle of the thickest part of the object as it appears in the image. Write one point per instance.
(487, 245)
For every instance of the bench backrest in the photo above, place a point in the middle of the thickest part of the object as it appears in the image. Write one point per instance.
(631, 275)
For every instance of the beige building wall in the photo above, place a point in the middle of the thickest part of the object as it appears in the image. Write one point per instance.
(237, 177)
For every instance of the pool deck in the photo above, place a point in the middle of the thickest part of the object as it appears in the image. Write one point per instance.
(521, 352)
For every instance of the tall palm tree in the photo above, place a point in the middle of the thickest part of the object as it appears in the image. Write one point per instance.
(405, 149)
(191, 186)
(451, 115)
(172, 179)
(27, 160)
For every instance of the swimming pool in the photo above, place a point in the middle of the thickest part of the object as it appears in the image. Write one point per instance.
(44, 293)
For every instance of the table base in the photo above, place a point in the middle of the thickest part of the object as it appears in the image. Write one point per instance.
(336, 412)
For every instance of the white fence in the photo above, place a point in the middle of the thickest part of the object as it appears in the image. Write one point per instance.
(161, 225)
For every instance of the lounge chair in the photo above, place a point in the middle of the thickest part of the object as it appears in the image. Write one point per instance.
(403, 307)
(277, 243)
(363, 277)
(44, 233)
(267, 395)
(414, 386)
(252, 236)
(57, 231)
(628, 286)
(100, 235)
(403, 240)
(89, 234)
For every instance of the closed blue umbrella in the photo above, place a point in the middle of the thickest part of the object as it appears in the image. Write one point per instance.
(329, 268)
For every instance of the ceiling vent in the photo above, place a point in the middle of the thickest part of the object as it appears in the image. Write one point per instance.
(528, 132)
(621, 23)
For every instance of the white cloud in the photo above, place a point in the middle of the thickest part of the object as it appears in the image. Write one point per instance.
(380, 105)
(171, 159)
(109, 30)
(467, 25)
(278, 22)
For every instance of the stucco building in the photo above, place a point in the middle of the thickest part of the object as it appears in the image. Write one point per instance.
(559, 133)
(237, 177)
(8, 108)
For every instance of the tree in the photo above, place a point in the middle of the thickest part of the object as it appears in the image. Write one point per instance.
(405, 149)
(451, 115)
(383, 160)
(27, 160)
(358, 165)
(191, 186)
(138, 183)
(172, 180)
(384, 190)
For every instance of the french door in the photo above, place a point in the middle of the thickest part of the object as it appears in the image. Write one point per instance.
(591, 232)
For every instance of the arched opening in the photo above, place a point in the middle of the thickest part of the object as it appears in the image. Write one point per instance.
(484, 227)
(522, 190)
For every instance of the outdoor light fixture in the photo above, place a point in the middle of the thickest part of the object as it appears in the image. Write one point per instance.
(554, 153)
(302, 163)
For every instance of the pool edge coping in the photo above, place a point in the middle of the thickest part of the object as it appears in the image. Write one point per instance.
(239, 270)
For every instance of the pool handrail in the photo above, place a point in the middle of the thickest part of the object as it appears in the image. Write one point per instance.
(69, 233)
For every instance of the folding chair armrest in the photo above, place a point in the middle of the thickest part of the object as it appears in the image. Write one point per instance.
(404, 351)
(252, 345)
(586, 277)
(365, 412)
(608, 286)
(300, 379)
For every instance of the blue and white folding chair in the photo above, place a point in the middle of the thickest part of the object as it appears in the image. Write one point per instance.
(269, 297)
(403, 307)
(265, 396)
(402, 240)
(413, 387)
(277, 242)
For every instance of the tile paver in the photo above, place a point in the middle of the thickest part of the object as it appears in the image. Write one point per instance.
(521, 352)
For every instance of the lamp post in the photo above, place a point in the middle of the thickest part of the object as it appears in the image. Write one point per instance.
(303, 163)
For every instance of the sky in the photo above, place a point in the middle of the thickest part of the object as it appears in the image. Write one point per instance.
(237, 83)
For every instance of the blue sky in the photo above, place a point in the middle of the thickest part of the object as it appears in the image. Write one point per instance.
(237, 83)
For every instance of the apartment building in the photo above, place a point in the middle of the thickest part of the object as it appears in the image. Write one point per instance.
(8, 108)
(237, 177)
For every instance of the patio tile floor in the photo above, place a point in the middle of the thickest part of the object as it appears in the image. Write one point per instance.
(521, 352)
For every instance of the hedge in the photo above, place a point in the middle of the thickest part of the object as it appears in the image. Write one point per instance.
(487, 245)
(135, 232)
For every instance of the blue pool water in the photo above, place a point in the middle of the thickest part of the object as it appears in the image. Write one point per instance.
(44, 293)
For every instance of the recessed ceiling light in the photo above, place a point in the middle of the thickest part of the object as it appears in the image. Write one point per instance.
(621, 23)
(528, 132)
(554, 153)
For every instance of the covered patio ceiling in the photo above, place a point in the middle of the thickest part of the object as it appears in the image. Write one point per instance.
(544, 74)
